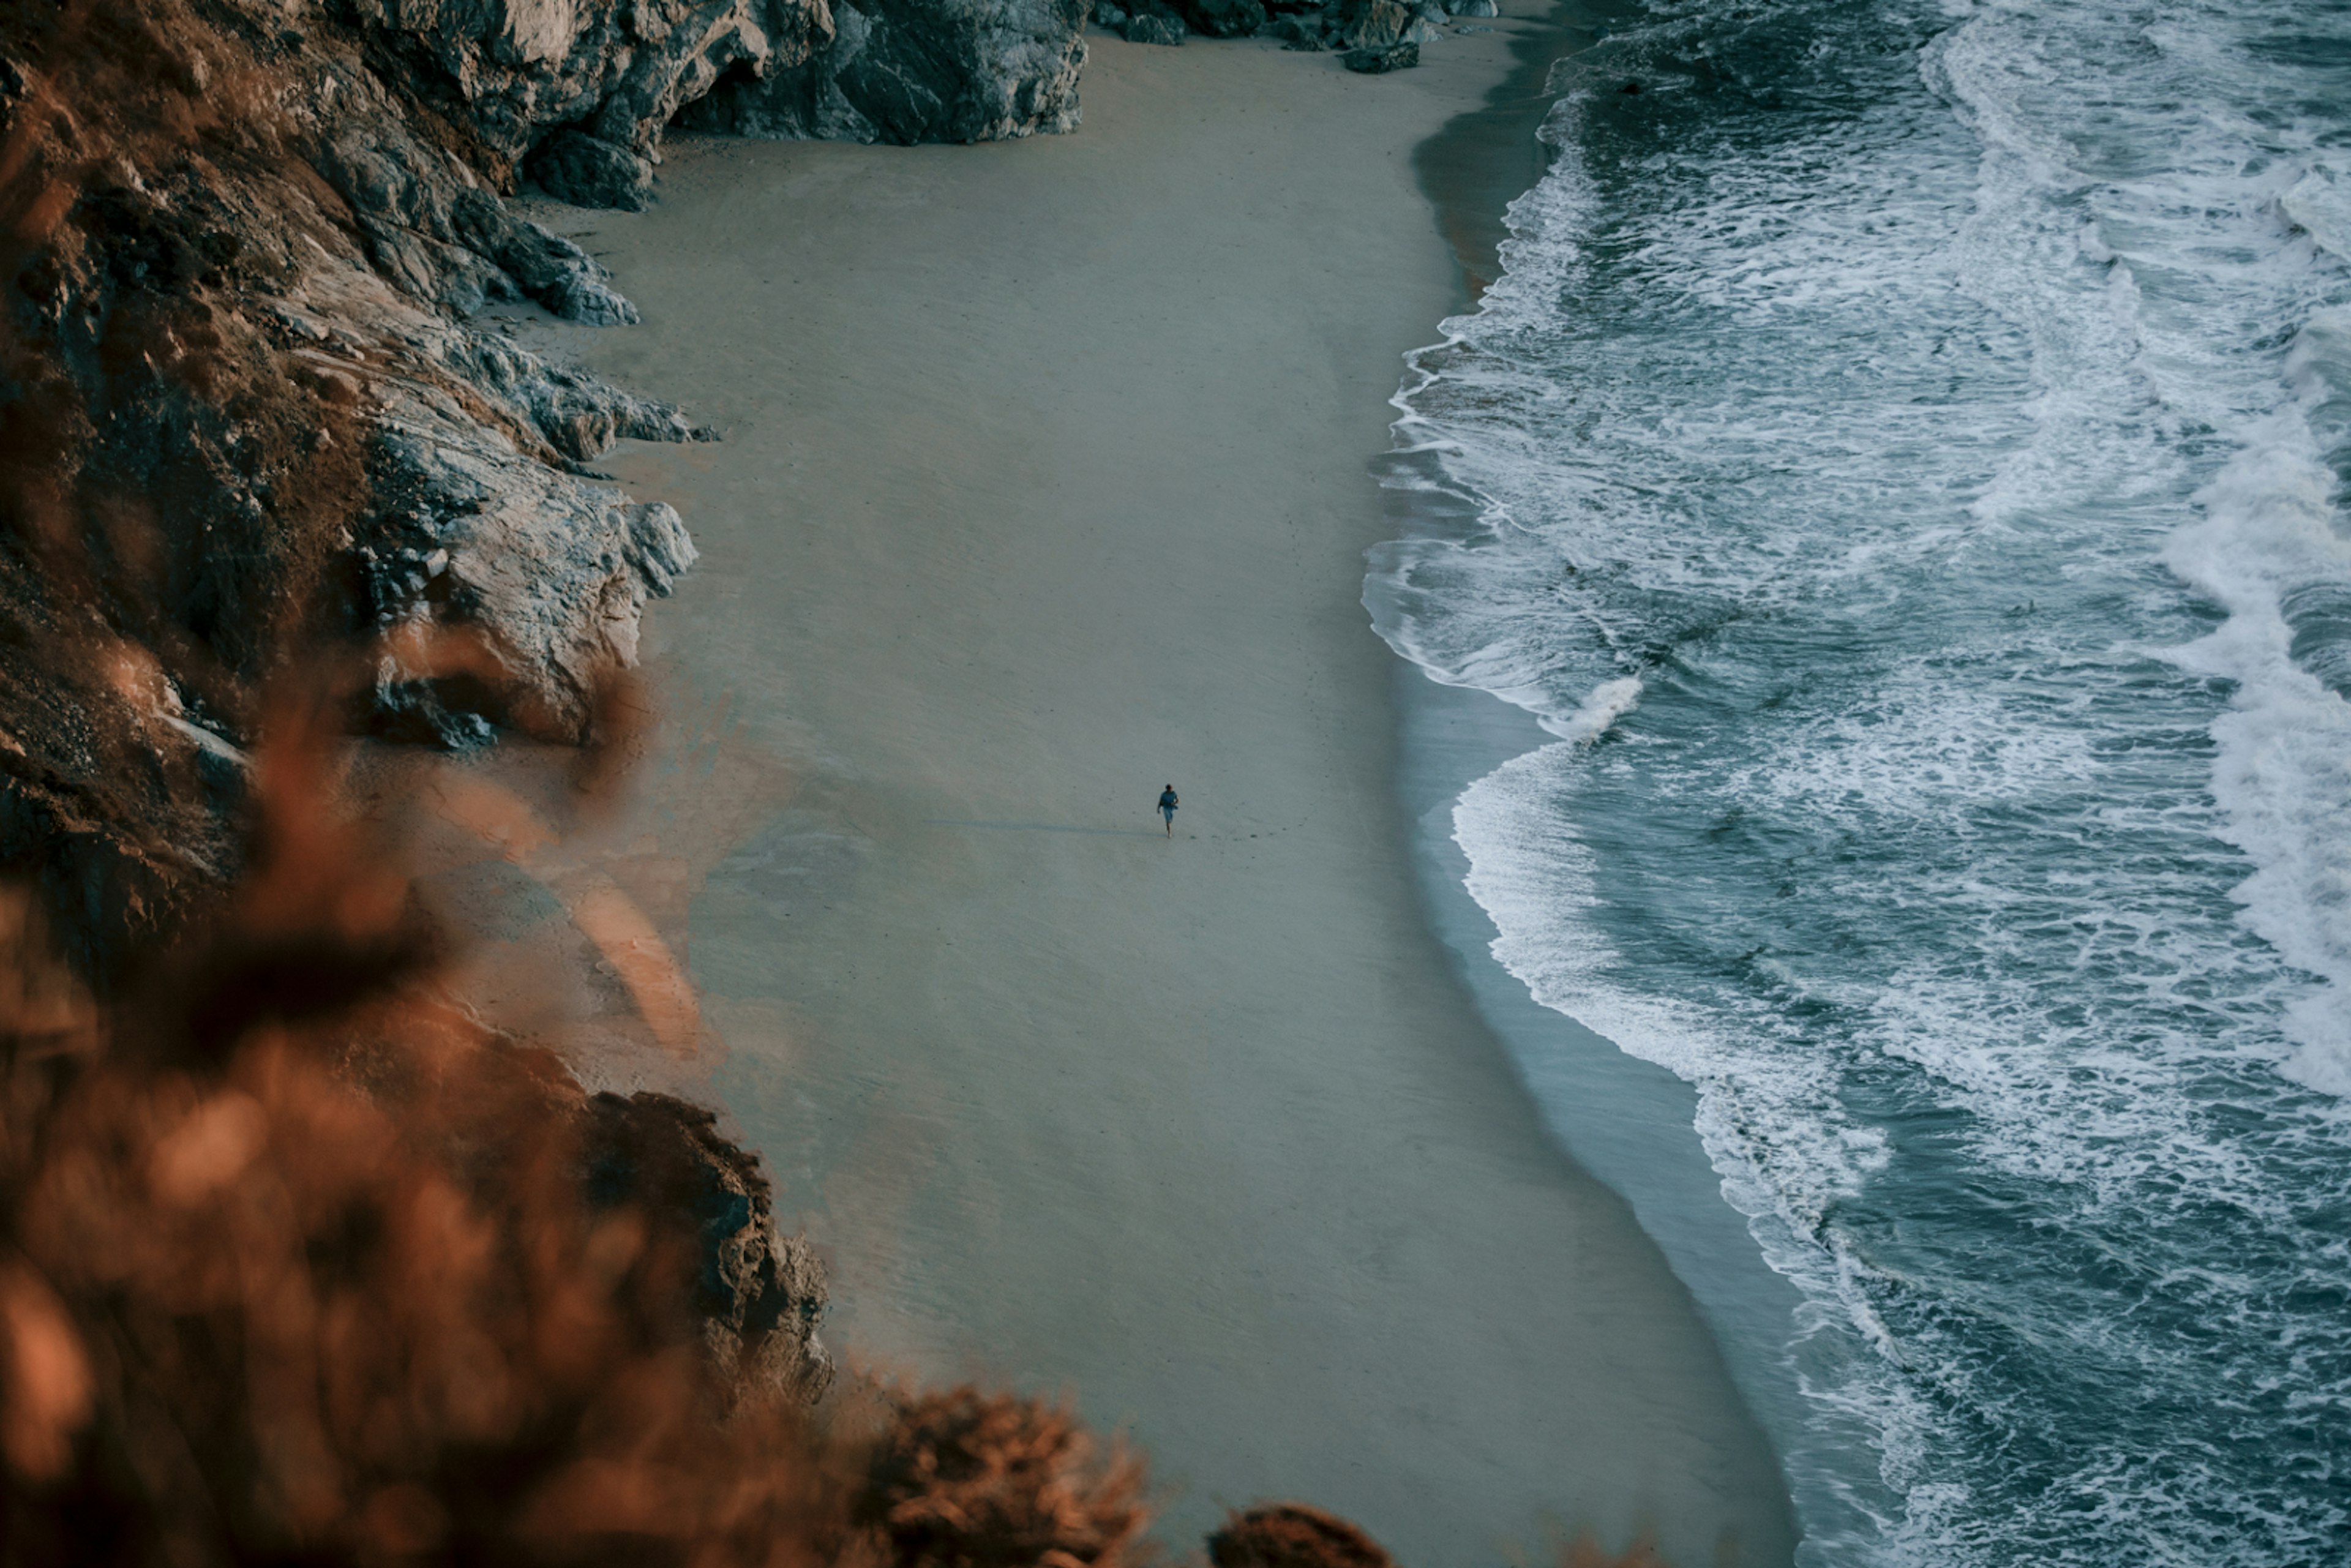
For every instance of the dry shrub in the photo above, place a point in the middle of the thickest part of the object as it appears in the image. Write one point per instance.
(1293, 1535)
(967, 1480)
(172, 502)
(299, 1264)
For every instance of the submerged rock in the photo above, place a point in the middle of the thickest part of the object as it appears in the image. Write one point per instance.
(1386, 57)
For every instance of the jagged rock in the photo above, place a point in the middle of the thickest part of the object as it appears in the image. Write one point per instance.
(510, 73)
(589, 172)
(1222, 18)
(1297, 32)
(1471, 8)
(476, 522)
(1372, 24)
(1421, 32)
(428, 222)
(1377, 61)
(760, 1294)
(1154, 26)
(1106, 15)
(906, 71)
(290, 365)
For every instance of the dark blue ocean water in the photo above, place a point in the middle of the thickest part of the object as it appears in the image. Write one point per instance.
(1908, 456)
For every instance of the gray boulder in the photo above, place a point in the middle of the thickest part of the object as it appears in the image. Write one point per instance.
(1297, 32)
(1154, 26)
(483, 527)
(1372, 24)
(1106, 15)
(589, 172)
(1223, 18)
(1471, 8)
(1385, 59)
(905, 71)
(510, 73)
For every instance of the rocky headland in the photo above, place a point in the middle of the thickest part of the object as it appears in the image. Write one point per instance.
(251, 414)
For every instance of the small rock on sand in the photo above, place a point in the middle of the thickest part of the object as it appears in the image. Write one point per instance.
(1386, 57)
(1154, 27)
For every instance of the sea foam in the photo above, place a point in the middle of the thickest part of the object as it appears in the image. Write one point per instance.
(1905, 459)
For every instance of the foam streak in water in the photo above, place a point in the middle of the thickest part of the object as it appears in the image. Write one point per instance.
(1909, 447)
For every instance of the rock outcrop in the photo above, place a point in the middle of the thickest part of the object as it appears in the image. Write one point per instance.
(1366, 31)
(1223, 18)
(760, 1294)
(1375, 59)
(252, 410)
(914, 70)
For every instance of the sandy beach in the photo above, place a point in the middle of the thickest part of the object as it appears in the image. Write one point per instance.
(1044, 484)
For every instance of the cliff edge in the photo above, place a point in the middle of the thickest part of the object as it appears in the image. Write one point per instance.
(250, 415)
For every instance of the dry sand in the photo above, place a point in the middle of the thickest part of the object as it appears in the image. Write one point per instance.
(1045, 484)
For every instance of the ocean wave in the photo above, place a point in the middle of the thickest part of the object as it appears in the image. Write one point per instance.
(1905, 468)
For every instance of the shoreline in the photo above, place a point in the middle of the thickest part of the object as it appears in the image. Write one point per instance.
(1626, 1121)
(1306, 1181)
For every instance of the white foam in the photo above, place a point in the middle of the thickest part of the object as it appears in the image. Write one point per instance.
(2283, 775)
(1877, 366)
(1609, 701)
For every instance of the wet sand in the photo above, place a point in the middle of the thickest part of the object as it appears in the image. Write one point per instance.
(1045, 484)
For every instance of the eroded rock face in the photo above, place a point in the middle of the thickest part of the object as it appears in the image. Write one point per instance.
(760, 1294)
(1372, 25)
(907, 72)
(519, 74)
(1223, 18)
(1379, 60)
(252, 407)
(1154, 26)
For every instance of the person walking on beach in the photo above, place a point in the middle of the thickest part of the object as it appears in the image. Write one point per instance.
(1167, 807)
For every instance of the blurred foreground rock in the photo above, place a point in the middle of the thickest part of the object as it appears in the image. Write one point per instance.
(255, 406)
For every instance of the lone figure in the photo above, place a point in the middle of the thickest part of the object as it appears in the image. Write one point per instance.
(1167, 807)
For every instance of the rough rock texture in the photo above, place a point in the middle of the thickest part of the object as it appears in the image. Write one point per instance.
(1383, 58)
(1154, 25)
(760, 1294)
(247, 413)
(478, 515)
(1297, 33)
(914, 70)
(575, 93)
(1223, 18)
(1372, 24)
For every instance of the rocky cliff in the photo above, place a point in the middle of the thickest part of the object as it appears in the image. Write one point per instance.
(758, 1293)
(248, 417)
